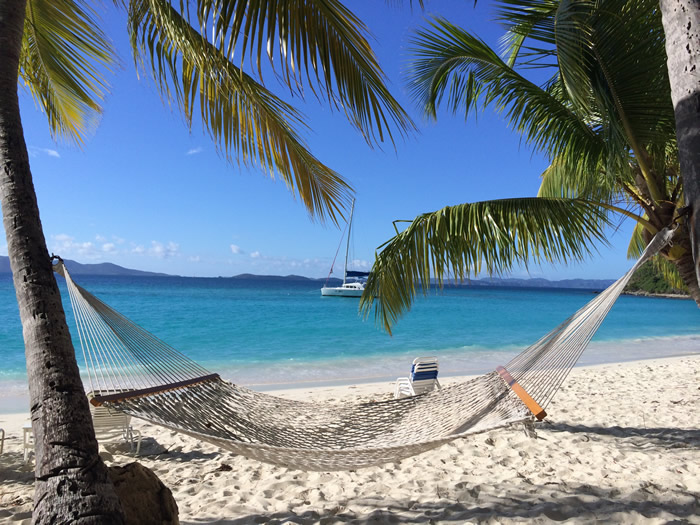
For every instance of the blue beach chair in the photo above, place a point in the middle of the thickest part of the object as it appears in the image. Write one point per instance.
(423, 378)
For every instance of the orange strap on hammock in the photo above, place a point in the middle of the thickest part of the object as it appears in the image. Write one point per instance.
(530, 403)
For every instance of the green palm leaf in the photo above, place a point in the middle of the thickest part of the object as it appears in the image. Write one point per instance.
(566, 178)
(250, 124)
(528, 19)
(63, 62)
(637, 242)
(319, 44)
(491, 236)
(669, 272)
(454, 66)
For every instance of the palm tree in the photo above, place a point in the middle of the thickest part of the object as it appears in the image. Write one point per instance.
(681, 19)
(57, 50)
(602, 113)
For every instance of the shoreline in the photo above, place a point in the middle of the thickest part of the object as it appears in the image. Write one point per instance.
(378, 367)
(659, 295)
(16, 400)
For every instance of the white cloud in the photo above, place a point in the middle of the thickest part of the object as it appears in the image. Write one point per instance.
(164, 251)
(67, 247)
(259, 263)
(194, 151)
(236, 249)
(35, 151)
(114, 249)
(360, 264)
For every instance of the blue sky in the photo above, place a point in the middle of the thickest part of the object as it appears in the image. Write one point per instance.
(146, 193)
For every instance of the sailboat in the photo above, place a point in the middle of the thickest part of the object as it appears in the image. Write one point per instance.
(353, 288)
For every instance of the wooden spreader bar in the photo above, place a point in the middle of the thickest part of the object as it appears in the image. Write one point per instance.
(530, 403)
(142, 392)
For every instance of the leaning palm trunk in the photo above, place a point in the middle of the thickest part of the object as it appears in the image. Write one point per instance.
(686, 271)
(72, 483)
(681, 20)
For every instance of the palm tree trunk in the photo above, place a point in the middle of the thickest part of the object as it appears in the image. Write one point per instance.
(72, 484)
(686, 271)
(681, 20)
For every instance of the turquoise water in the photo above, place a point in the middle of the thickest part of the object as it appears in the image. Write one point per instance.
(264, 334)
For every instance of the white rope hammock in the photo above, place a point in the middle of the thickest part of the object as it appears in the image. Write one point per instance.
(131, 370)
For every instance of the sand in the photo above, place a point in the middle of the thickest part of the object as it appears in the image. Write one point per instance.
(621, 445)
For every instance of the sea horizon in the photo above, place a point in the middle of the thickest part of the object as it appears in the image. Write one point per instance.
(108, 269)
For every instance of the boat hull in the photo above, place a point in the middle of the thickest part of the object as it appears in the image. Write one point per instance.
(337, 291)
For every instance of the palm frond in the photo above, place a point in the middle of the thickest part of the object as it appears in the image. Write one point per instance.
(669, 272)
(491, 236)
(250, 124)
(612, 49)
(567, 178)
(637, 242)
(666, 269)
(63, 63)
(629, 67)
(454, 66)
(319, 44)
(527, 19)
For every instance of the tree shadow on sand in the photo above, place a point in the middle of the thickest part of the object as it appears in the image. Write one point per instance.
(660, 437)
(554, 502)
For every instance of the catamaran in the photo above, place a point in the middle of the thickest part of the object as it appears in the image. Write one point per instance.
(352, 288)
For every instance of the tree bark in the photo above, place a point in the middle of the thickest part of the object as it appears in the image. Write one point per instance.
(72, 482)
(681, 21)
(686, 271)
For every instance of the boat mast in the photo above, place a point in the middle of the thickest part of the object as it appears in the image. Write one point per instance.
(347, 247)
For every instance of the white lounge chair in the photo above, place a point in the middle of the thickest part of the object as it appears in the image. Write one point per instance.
(113, 426)
(423, 378)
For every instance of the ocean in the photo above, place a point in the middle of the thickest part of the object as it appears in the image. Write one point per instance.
(271, 334)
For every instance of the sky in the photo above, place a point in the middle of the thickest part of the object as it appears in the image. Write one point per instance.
(144, 192)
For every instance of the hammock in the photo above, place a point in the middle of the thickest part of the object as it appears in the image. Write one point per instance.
(131, 370)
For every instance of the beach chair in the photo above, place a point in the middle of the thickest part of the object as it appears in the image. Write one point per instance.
(113, 426)
(423, 378)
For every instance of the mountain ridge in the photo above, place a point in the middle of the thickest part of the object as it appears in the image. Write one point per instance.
(111, 269)
(103, 269)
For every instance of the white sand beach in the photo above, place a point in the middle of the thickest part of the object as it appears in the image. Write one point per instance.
(621, 444)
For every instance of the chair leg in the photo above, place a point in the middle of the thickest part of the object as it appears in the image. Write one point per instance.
(137, 437)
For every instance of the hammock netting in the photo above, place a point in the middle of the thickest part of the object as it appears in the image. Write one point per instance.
(131, 370)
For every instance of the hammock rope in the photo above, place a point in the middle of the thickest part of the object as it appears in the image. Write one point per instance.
(133, 371)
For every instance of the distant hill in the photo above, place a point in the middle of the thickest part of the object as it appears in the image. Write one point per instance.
(110, 269)
(591, 284)
(647, 280)
(251, 276)
(77, 268)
